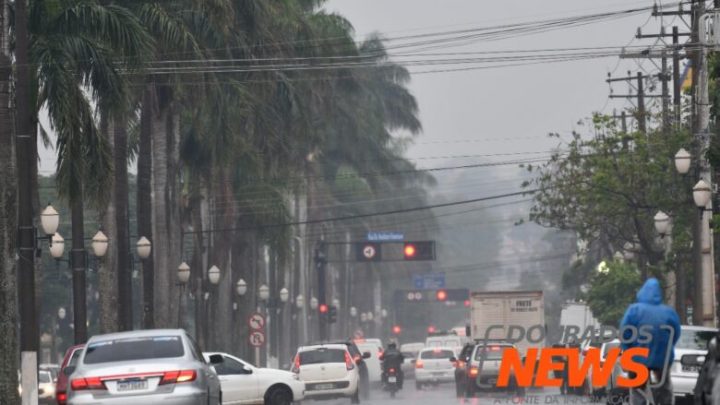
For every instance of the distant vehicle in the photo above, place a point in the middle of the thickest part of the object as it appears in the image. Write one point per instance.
(67, 367)
(577, 314)
(54, 369)
(434, 366)
(483, 369)
(373, 362)
(144, 367)
(525, 309)
(693, 341)
(359, 358)
(450, 340)
(243, 383)
(410, 351)
(328, 371)
(461, 363)
(46, 387)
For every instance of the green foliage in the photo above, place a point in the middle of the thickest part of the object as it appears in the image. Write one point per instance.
(612, 291)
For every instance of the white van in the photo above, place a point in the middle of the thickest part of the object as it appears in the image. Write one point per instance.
(447, 341)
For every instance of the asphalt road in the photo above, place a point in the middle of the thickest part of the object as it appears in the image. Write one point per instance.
(445, 394)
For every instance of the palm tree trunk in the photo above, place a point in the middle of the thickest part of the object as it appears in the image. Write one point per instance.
(122, 236)
(8, 227)
(77, 257)
(107, 276)
(144, 204)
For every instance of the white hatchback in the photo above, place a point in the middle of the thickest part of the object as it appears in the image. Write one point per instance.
(693, 341)
(328, 371)
(434, 365)
(373, 362)
(243, 383)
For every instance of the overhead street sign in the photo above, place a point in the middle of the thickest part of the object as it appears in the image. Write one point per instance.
(257, 338)
(256, 322)
(368, 252)
(429, 281)
(385, 236)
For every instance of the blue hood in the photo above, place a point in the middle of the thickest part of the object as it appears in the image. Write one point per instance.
(650, 293)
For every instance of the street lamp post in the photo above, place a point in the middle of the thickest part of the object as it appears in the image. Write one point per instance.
(241, 288)
(213, 276)
(183, 275)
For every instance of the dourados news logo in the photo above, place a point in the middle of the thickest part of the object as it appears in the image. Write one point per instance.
(535, 368)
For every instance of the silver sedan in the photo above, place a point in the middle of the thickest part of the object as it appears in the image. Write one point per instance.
(144, 367)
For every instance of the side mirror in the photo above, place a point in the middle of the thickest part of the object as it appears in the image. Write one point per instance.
(366, 355)
(413, 361)
(246, 370)
(69, 370)
(453, 359)
(216, 359)
(692, 360)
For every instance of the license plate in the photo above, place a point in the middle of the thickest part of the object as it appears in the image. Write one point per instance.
(436, 374)
(392, 379)
(125, 386)
(691, 369)
(324, 386)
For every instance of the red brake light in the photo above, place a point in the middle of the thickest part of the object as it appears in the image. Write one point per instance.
(61, 398)
(419, 364)
(392, 370)
(495, 348)
(474, 371)
(296, 364)
(175, 377)
(349, 364)
(90, 383)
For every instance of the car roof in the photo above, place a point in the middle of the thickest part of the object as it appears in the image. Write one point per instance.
(432, 349)
(698, 328)
(137, 334)
(340, 346)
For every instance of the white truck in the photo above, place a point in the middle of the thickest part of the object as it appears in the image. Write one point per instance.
(515, 316)
(577, 315)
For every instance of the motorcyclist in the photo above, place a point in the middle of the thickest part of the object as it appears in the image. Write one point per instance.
(664, 325)
(392, 358)
(708, 376)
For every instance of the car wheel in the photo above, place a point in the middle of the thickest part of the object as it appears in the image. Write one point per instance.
(278, 396)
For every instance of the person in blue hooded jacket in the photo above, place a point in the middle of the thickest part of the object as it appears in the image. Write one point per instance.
(663, 324)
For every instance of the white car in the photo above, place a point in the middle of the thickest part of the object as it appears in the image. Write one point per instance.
(693, 341)
(328, 371)
(373, 362)
(243, 383)
(434, 366)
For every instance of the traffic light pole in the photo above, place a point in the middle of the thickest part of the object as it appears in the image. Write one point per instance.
(321, 268)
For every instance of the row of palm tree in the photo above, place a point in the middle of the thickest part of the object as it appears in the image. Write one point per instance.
(227, 148)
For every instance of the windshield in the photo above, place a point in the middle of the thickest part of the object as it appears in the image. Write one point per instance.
(323, 355)
(695, 339)
(491, 352)
(436, 354)
(134, 349)
(44, 377)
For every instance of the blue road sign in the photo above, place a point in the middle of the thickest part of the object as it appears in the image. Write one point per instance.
(429, 281)
(385, 236)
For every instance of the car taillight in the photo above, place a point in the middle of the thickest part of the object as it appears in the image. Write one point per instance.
(176, 377)
(61, 398)
(296, 365)
(349, 364)
(474, 371)
(460, 364)
(391, 371)
(90, 383)
(419, 364)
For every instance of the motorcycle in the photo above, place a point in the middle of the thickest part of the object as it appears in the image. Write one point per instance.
(391, 381)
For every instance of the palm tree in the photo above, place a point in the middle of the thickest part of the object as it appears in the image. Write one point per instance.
(75, 46)
(8, 225)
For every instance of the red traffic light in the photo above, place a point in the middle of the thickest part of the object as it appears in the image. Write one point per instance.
(397, 329)
(410, 251)
(323, 308)
(467, 303)
(441, 295)
(431, 329)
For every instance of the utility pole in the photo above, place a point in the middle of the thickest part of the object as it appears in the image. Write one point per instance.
(642, 115)
(705, 272)
(677, 86)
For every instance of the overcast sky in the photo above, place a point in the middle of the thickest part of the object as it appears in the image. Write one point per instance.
(497, 111)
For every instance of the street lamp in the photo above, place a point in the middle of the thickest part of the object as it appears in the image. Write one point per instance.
(49, 220)
(702, 193)
(313, 303)
(264, 293)
(353, 312)
(336, 303)
(241, 287)
(384, 313)
(183, 273)
(284, 295)
(662, 223)
(57, 248)
(144, 248)
(300, 301)
(629, 250)
(214, 275)
(683, 159)
(363, 317)
(62, 313)
(99, 244)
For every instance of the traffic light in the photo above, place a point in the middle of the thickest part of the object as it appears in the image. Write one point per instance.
(417, 251)
(441, 295)
(431, 329)
(323, 308)
(332, 314)
(397, 329)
